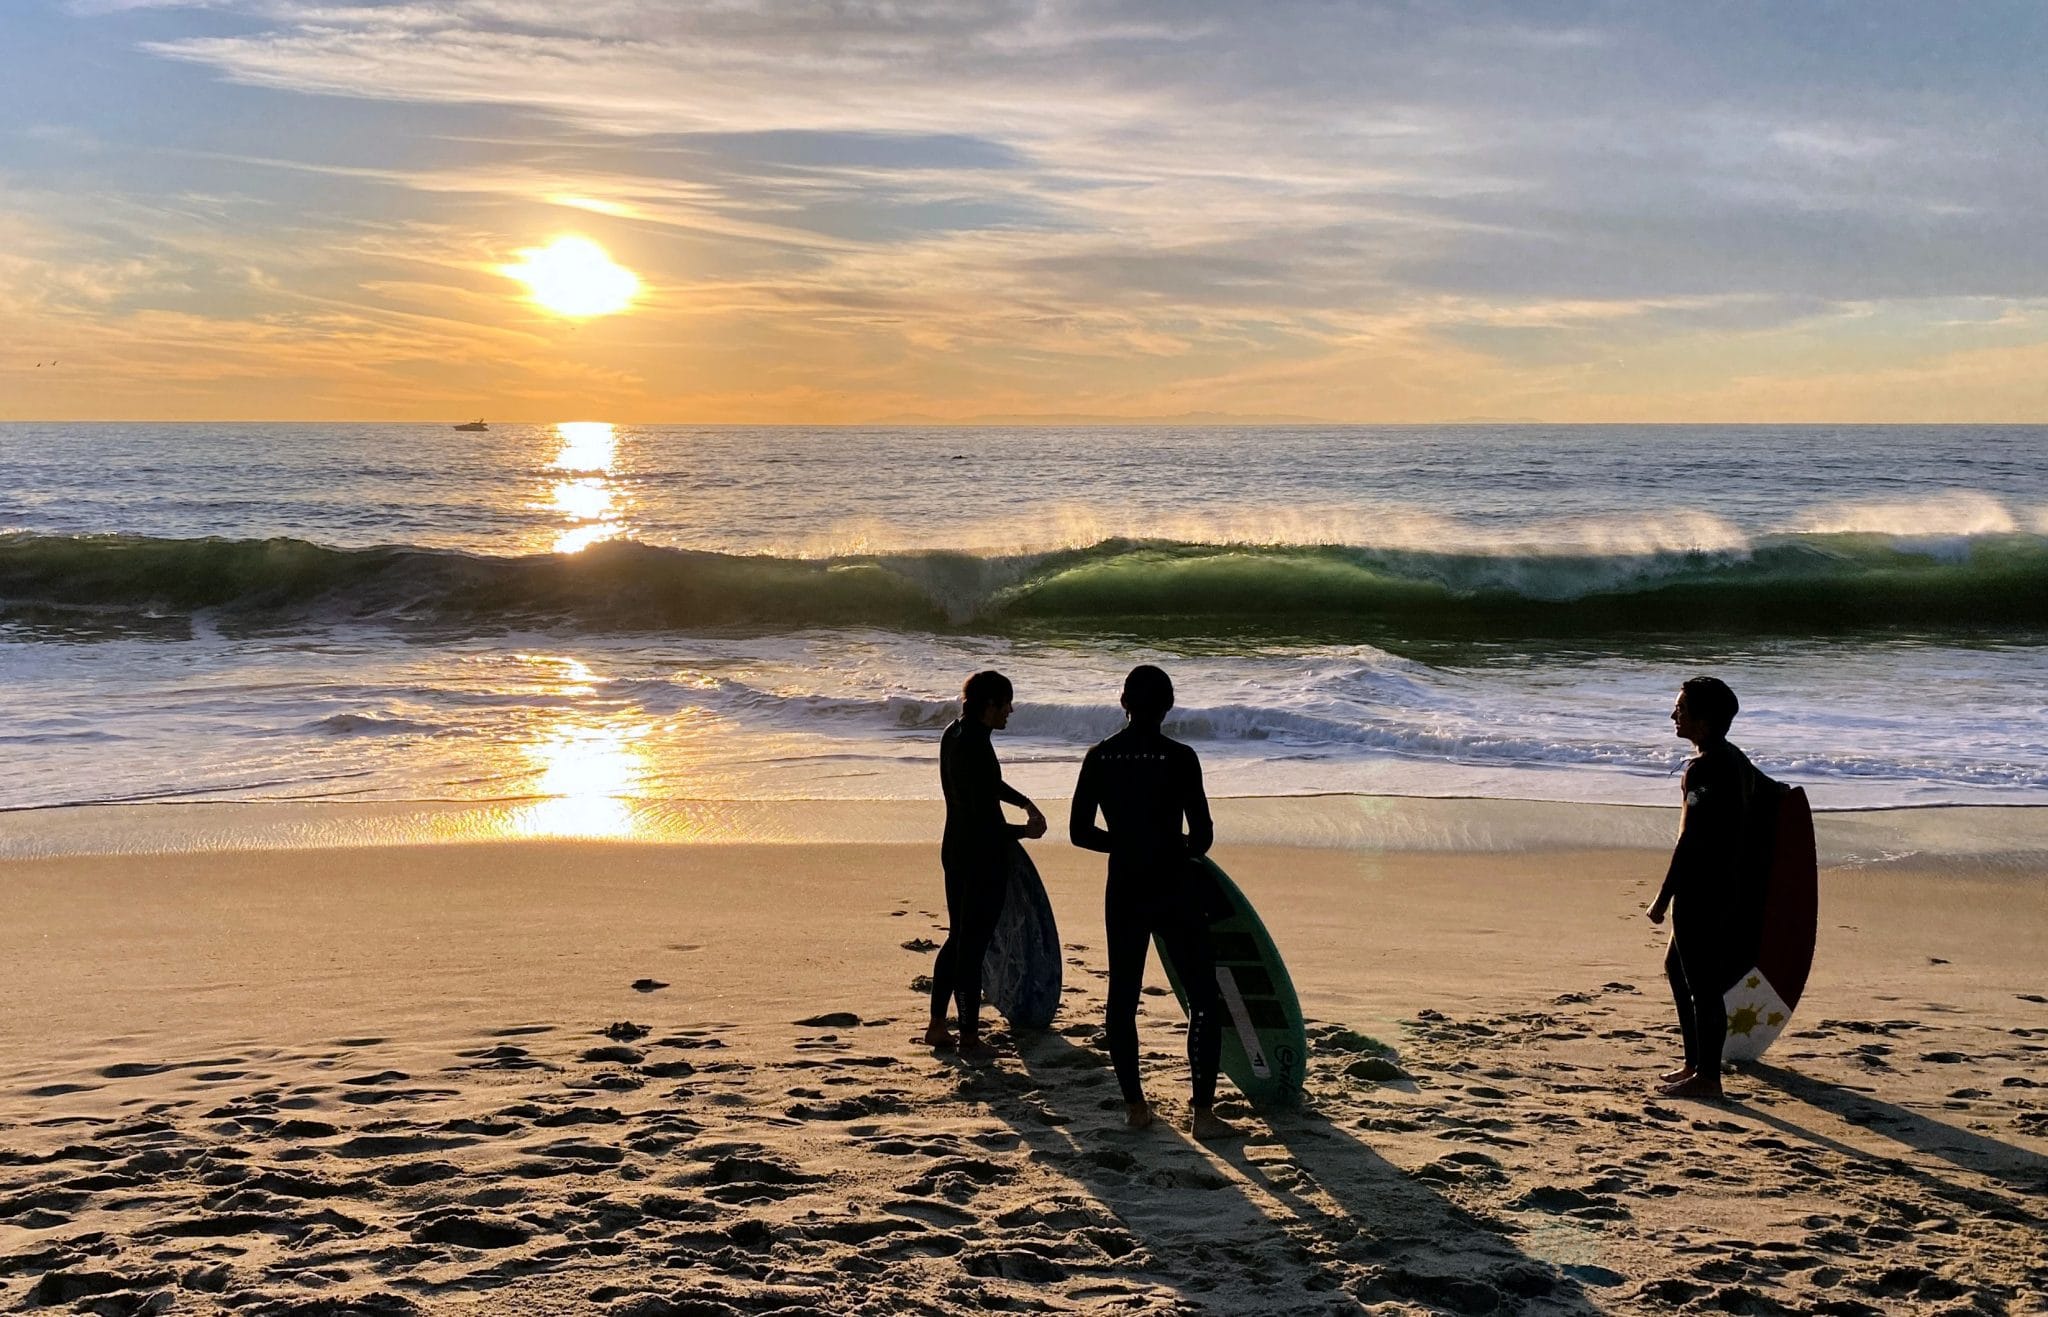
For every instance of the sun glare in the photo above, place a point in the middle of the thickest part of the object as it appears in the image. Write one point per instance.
(589, 776)
(574, 277)
(585, 495)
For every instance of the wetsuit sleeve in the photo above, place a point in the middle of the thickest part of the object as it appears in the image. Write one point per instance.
(1194, 802)
(1081, 828)
(1710, 833)
(995, 791)
(978, 778)
(1013, 795)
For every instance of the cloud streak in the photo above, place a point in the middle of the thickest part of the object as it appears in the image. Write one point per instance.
(1373, 210)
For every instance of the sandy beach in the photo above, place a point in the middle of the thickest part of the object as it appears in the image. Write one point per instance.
(568, 1076)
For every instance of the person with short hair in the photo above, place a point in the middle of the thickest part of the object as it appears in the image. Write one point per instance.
(975, 854)
(1711, 925)
(1145, 784)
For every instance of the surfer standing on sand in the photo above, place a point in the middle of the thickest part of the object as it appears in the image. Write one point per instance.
(1715, 906)
(1145, 783)
(974, 853)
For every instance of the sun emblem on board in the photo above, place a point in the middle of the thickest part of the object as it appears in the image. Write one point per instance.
(1756, 1014)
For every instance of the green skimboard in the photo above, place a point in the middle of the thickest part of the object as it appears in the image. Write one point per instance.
(1265, 1049)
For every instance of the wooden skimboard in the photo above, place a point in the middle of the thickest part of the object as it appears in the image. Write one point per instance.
(1021, 974)
(1265, 1048)
(1765, 996)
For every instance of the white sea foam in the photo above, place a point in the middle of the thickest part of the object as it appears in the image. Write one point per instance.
(1037, 530)
(1947, 515)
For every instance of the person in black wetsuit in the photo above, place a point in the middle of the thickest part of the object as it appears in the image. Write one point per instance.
(1712, 931)
(1145, 784)
(975, 853)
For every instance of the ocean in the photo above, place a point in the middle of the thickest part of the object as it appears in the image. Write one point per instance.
(615, 615)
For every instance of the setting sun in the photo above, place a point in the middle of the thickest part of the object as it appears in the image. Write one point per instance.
(574, 277)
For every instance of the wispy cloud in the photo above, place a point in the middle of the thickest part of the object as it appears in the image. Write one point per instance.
(1391, 209)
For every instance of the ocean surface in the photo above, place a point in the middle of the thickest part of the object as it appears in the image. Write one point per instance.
(608, 615)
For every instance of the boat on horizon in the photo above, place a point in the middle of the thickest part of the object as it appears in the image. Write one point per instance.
(477, 424)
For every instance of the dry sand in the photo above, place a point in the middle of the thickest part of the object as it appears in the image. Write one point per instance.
(379, 1080)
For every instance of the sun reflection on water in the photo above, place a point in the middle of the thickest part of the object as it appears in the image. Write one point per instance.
(586, 496)
(586, 446)
(590, 776)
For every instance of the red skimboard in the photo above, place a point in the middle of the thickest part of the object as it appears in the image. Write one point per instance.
(1764, 998)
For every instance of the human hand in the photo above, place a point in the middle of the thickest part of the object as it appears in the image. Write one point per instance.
(1656, 913)
(1034, 825)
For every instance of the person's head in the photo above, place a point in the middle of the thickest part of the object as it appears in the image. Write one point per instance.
(1706, 708)
(987, 699)
(1148, 695)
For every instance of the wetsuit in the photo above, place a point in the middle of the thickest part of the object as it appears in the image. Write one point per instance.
(975, 854)
(1714, 886)
(1145, 784)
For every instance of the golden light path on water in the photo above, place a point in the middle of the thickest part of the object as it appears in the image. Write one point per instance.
(590, 776)
(590, 773)
(585, 495)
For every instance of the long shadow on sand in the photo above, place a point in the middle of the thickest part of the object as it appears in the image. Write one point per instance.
(1319, 1222)
(2002, 1163)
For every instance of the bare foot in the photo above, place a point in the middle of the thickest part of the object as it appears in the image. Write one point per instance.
(1207, 1126)
(1704, 1088)
(1678, 1076)
(938, 1039)
(973, 1048)
(1138, 1115)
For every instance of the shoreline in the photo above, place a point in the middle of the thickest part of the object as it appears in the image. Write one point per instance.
(2011, 837)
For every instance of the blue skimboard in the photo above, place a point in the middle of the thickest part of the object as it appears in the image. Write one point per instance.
(1021, 974)
(1265, 1048)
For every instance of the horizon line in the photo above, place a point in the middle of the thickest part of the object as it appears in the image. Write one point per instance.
(1047, 421)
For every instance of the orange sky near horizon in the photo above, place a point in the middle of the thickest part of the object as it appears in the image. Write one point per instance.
(958, 212)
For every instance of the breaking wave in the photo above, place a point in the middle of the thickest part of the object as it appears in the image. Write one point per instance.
(1790, 584)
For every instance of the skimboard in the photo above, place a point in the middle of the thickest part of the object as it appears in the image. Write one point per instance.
(1764, 997)
(1265, 1049)
(1021, 974)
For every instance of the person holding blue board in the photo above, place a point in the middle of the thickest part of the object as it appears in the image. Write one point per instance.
(975, 854)
(1145, 784)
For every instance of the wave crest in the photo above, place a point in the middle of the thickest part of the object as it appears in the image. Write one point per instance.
(1791, 584)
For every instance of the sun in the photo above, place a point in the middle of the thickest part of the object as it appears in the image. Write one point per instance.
(574, 277)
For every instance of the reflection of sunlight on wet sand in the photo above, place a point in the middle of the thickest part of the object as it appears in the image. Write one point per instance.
(590, 775)
(589, 500)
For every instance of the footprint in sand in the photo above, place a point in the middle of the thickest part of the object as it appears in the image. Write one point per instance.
(504, 1056)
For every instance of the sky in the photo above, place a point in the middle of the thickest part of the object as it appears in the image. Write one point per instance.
(1399, 211)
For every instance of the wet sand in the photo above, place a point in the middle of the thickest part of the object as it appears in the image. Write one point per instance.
(550, 1076)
